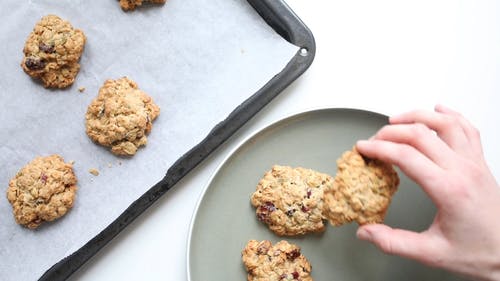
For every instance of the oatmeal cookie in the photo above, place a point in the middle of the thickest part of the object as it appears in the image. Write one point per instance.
(52, 52)
(43, 190)
(290, 200)
(130, 5)
(62, 77)
(362, 190)
(283, 261)
(121, 116)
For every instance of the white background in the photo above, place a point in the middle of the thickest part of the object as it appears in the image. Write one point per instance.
(385, 56)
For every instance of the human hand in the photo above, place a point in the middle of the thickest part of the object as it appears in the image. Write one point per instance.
(441, 151)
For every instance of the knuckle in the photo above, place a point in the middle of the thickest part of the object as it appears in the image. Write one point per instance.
(419, 130)
(383, 131)
(404, 151)
(460, 185)
(386, 246)
(460, 191)
(472, 171)
(449, 121)
(475, 132)
(419, 113)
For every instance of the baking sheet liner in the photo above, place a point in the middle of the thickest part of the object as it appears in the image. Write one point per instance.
(198, 59)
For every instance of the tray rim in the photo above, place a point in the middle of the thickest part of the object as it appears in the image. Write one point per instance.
(286, 23)
(251, 136)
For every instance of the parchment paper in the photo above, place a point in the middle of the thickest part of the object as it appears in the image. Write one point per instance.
(198, 59)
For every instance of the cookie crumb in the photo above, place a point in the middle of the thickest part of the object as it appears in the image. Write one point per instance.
(81, 89)
(94, 172)
(110, 165)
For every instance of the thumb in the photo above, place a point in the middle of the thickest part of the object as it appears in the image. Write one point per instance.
(404, 243)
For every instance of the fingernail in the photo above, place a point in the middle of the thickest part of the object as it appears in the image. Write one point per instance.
(361, 143)
(363, 234)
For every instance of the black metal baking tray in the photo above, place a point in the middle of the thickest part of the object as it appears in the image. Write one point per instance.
(286, 23)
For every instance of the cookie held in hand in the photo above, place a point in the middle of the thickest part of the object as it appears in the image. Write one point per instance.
(362, 190)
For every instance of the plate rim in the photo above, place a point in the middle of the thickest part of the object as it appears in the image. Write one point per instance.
(240, 144)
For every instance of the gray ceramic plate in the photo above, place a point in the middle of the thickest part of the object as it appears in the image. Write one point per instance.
(225, 220)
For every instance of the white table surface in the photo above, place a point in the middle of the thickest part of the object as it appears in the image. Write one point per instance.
(386, 56)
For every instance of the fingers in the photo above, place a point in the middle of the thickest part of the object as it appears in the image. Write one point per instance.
(467, 127)
(418, 246)
(470, 131)
(420, 137)
(450, 128)
(411, 161)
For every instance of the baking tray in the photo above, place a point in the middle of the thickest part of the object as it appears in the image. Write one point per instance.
(286, 23)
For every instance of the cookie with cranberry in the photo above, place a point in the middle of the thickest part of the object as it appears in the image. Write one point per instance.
(282, 261)
(52, 52)
(43, 190)
(130, 5)
(121, 116)
(362, 191)
(290, 200)
(62, 77)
